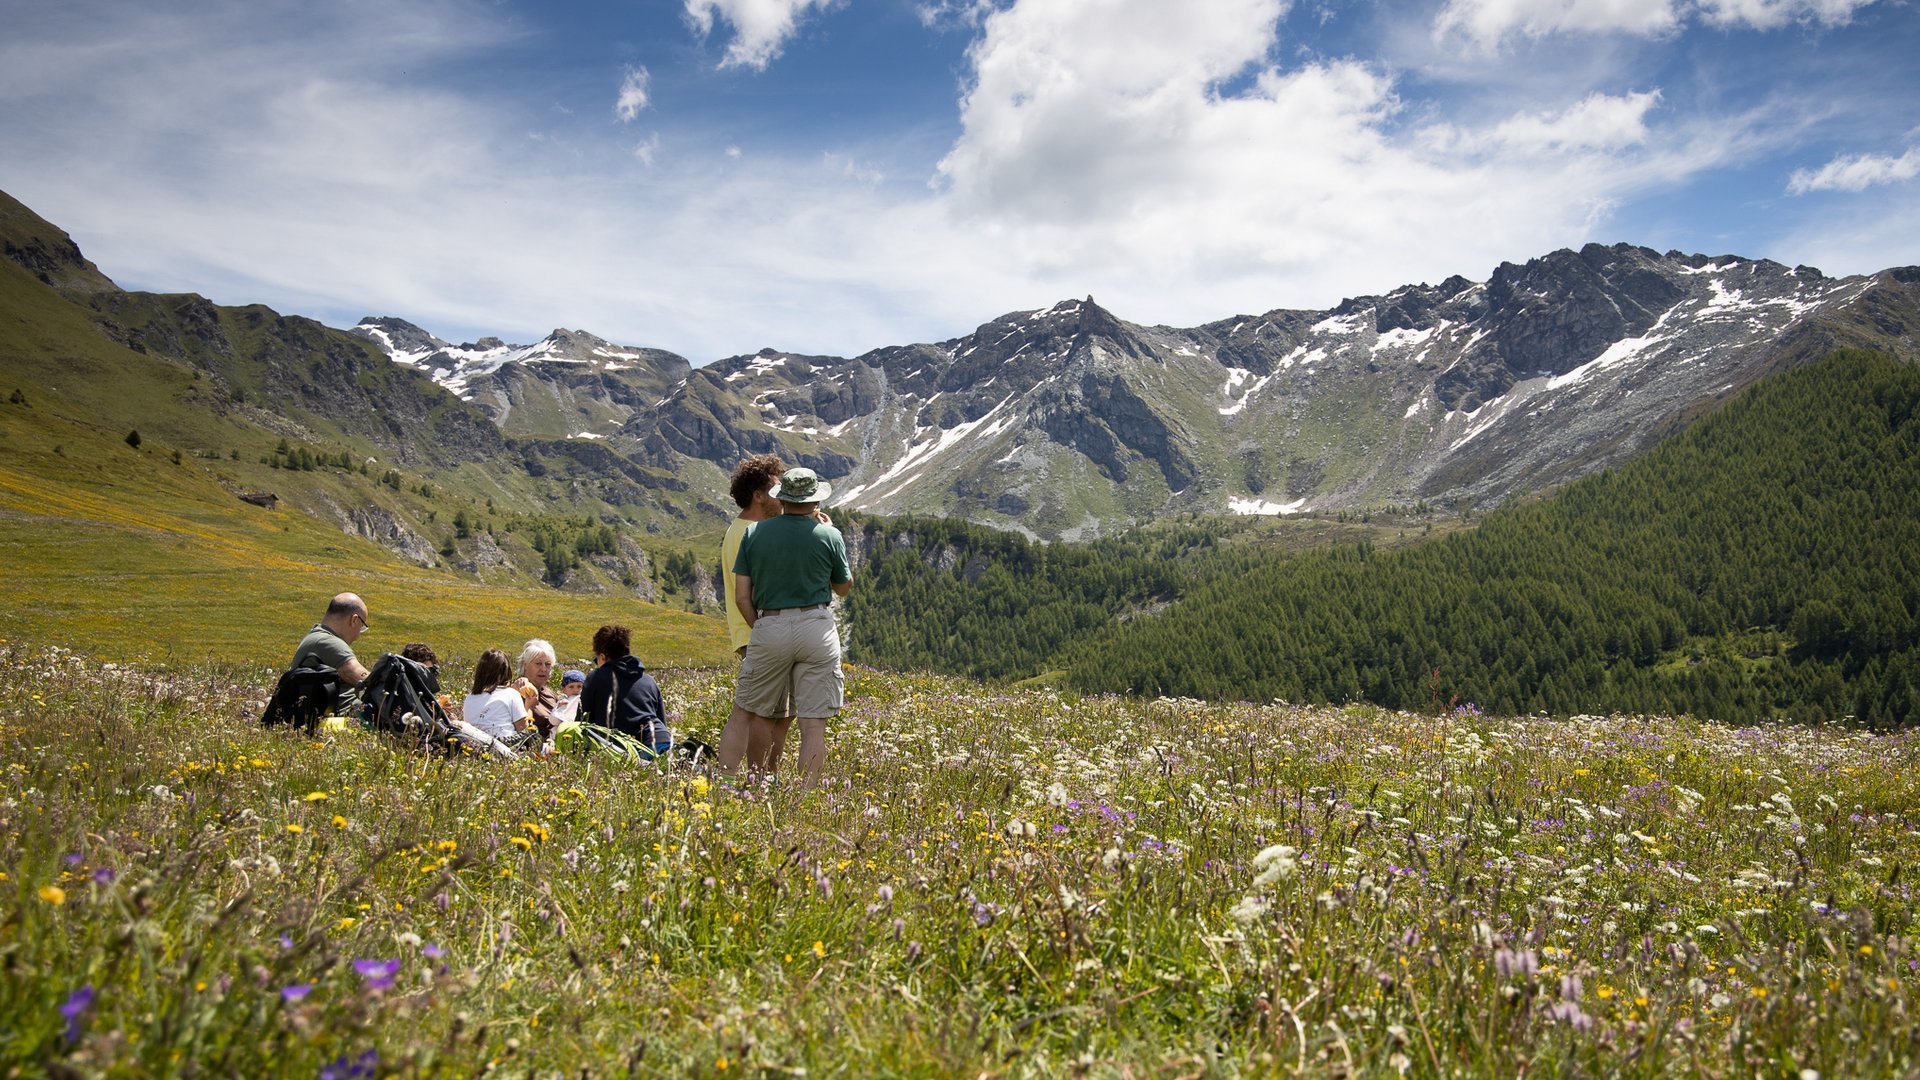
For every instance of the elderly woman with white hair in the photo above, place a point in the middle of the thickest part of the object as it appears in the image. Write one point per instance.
(536, 668)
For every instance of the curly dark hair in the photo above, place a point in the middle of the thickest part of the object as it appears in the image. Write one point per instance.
(754, 475)
(420, 653)
(613, 641)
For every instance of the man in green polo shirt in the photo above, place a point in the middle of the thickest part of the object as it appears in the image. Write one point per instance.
(789, 569)
(330, 644)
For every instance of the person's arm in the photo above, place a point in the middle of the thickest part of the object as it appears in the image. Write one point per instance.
(842, 588)
(743, 598)
(352, 673)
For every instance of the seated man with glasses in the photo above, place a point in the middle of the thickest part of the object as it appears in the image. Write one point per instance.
(330, 644)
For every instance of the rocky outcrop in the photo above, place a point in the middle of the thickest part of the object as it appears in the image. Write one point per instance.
(378, 524)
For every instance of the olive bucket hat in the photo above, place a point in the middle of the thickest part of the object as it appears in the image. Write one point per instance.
(802, 486)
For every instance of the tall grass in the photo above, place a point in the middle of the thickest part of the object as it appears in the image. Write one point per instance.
(1007, 883)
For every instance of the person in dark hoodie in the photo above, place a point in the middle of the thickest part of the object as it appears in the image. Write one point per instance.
(621, 695)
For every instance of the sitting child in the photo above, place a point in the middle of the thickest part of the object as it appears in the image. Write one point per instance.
(571, 684)
(495, 707)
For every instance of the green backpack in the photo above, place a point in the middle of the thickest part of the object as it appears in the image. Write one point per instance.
(594, 740)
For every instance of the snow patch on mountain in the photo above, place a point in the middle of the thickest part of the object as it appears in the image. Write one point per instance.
(1262, 508)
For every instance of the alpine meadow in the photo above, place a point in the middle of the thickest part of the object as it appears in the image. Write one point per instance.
(1317, 694)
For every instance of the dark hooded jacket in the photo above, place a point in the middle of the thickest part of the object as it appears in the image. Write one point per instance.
(634, 697)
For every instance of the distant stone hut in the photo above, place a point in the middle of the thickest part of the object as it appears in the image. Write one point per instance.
(262, 498)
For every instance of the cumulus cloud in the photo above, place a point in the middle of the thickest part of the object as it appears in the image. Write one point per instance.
(1856, 172)
(1166, 157)
(633, 95)
(1180, 162)
(761, 28)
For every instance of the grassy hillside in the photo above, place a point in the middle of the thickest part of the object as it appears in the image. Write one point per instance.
(127, 552)
(1018, 884)
(257, 399)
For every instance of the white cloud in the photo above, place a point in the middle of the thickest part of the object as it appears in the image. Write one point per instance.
(1177, 161)
(1487, 22)
(1773, 14)
(1100, 147)
(1856, 172)
(1601, 122)
(633, 95)
(761, 28)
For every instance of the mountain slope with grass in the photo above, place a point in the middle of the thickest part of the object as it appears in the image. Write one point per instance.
(258, 404)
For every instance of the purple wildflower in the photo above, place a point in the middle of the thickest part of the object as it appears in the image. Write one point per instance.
(342, 1069)
(75, 1009)
(103, 876)
(432, 951)
(377, 974)
(296, 991)
(286, 941)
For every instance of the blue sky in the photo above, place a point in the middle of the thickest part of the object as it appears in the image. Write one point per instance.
(830, 176)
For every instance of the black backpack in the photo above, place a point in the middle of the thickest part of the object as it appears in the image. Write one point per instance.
(399, 700)
(301, 697)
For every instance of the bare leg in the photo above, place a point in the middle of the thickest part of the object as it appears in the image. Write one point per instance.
(779, 743)
(765, 736)
(734, 743)
(813, 750)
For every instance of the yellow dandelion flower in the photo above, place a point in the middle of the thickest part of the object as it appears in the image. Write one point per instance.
(339, 822)
(521, 842)
(1605, 992)
(720, 1065)
(1759, 991)
(1866, 950)
(53, 894)
(295, 828)
(317, 796)
(346, 923)
(1641, 1001)
(820, 949)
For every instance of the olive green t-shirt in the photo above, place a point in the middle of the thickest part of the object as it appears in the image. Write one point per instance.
(794, 561)
(324, 648)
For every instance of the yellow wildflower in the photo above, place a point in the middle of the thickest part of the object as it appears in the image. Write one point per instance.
(295, 828)
(820, 949)
(316, 796)
(53, 894)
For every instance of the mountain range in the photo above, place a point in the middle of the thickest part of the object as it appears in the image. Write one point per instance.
(1070, 422)
(1063, 422)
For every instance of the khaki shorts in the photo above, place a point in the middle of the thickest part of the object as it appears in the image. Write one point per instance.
(786, 703)
(793, 655)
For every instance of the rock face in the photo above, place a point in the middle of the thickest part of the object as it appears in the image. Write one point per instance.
(379, 525)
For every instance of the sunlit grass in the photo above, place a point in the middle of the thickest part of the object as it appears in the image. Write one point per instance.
(991, 881)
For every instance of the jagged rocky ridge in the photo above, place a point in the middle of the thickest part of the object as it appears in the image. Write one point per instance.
(1068, 421)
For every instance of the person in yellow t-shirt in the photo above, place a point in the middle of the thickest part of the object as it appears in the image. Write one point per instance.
(751, 482)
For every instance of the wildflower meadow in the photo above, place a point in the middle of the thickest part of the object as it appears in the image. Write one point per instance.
(991, 882)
